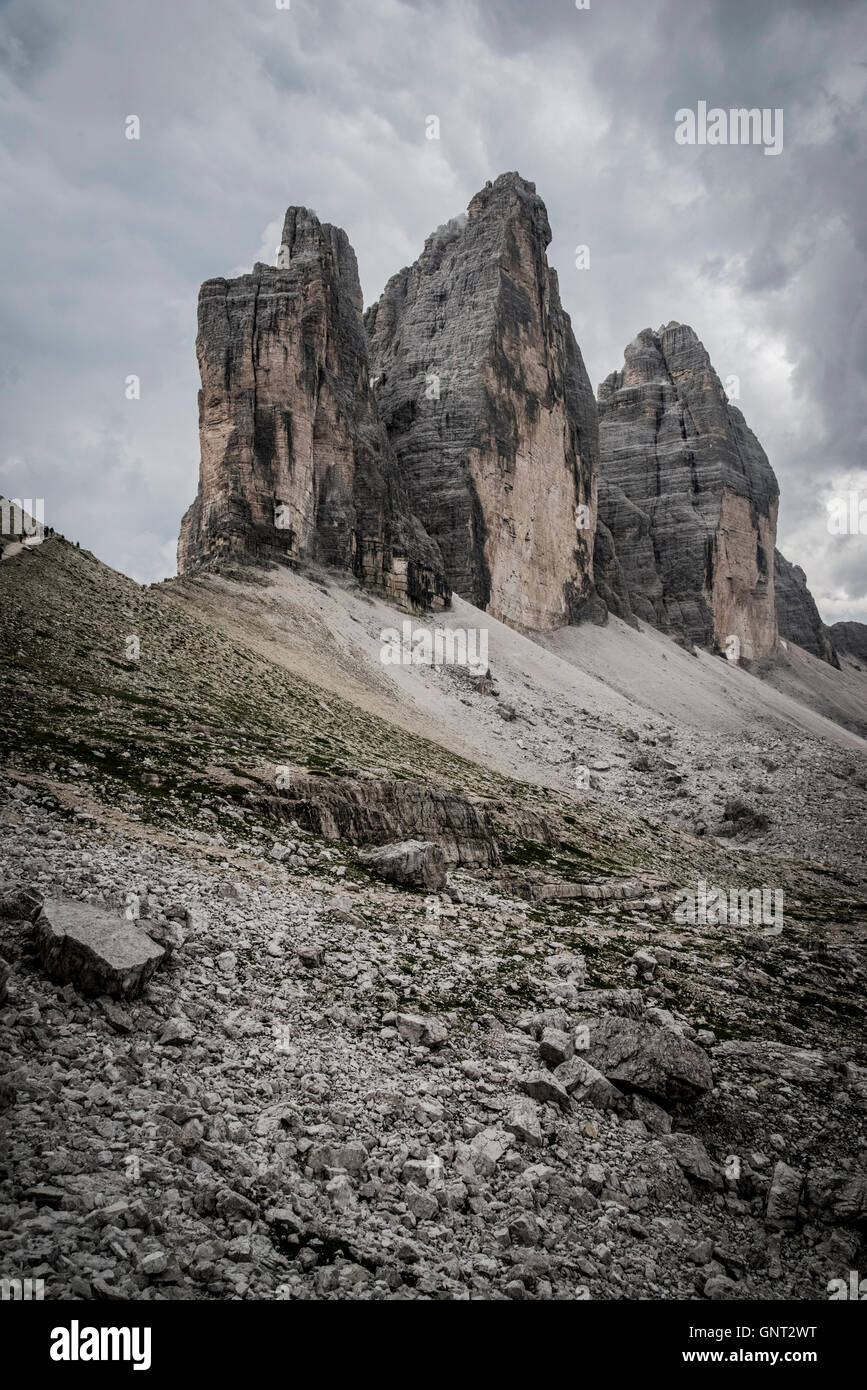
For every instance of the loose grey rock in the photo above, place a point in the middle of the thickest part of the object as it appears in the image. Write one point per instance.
(783, 1197)
(523, 1122)
(693, 1158)
(120, 1020)
(177, 1030)
(413, 863)
(488, 1147)
(98, 952)
(170, 935)
(18, 903)
(649, 1059)
(719, 1287)
(585, 1083)
(544, 1086)
(652, 1115)
(234, 1205)
(555, 1046)
(421, 1031)
(594, 1178)
(311, 956)
(645, 963)
(837, 1198)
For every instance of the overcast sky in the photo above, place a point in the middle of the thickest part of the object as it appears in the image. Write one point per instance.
(246, 108)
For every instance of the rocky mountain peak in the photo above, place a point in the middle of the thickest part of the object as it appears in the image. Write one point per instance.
(304, 235)
(688, 496)
(511, 197)
(489, 409)
(449, 438)
(850, 639)
(295, 463)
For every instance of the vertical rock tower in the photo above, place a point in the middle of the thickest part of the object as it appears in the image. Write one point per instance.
(488, 406)
(688, 496)
(295, 463)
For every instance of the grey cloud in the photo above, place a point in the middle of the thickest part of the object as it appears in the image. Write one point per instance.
(246, 109)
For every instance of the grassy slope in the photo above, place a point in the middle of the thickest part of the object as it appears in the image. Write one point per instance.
(199, 716)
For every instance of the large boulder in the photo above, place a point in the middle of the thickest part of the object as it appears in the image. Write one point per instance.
(643, 1057)
(18, 904)
(95, 950)
(837, 1198)
(411, 863)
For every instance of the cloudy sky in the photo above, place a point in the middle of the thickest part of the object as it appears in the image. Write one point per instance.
(245, 108)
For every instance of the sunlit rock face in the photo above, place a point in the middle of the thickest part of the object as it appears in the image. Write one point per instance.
(295, 463)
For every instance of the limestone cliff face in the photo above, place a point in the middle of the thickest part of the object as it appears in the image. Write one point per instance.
(490, 411)
(295, 462)
(688, 497)
(798, 617)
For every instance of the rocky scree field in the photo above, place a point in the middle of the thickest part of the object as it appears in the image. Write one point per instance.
(512, 1075)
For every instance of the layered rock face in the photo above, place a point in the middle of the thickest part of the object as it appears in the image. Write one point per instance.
(798, 617)
(490, 411)
(384, 811)
(688, 497)
(295, 462)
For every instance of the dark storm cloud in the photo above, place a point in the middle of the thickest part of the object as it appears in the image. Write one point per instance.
(246, 109)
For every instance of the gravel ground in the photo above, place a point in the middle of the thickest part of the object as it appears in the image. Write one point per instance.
(535, 1083)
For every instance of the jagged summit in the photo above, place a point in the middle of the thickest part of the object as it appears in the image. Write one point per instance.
(305, 236)
(490, 411)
